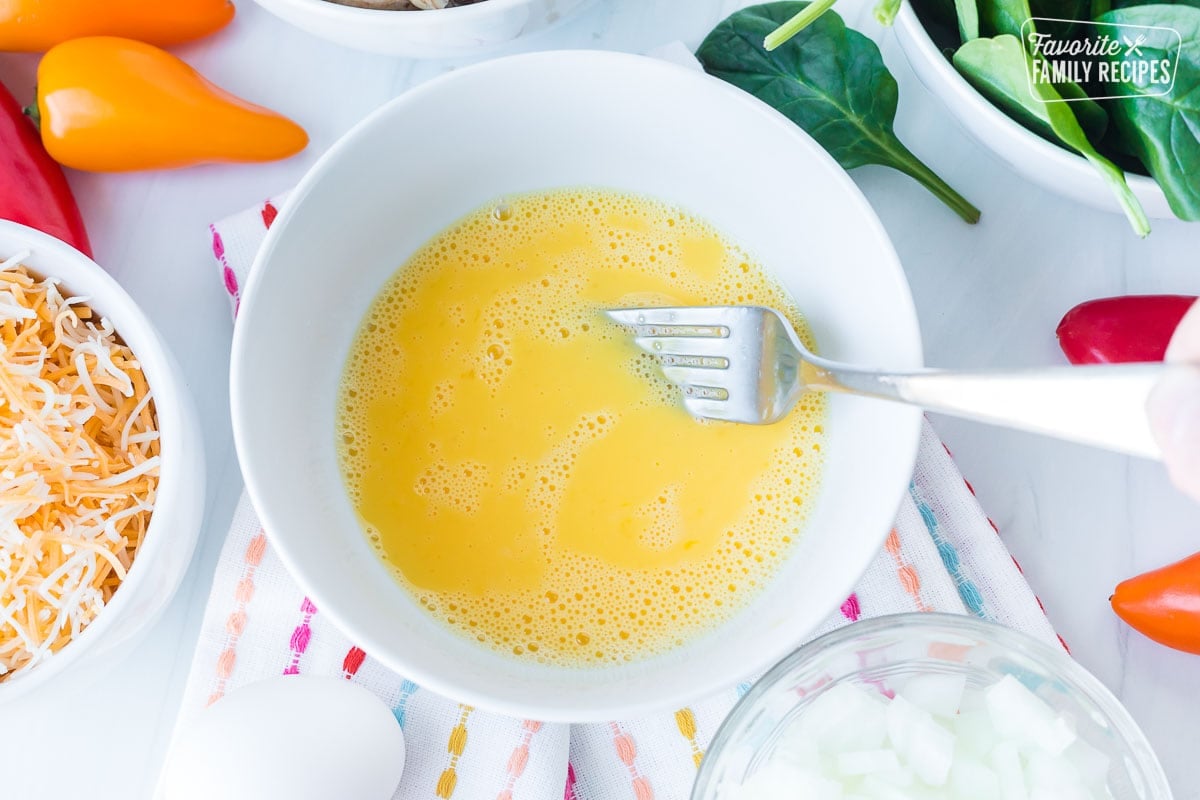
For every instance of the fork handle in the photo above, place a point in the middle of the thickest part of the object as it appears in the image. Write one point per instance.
(1103, 406)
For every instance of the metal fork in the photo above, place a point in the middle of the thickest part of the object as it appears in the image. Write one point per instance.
(746, 364)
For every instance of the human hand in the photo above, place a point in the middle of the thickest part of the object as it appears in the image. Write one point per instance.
(1174, 407)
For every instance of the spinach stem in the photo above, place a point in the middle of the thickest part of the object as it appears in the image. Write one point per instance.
(806, 17)
(968, 19)
(1115, 178)
(913, 167)
(885, 12)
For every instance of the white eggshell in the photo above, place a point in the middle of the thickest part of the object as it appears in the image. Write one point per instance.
(295, 737)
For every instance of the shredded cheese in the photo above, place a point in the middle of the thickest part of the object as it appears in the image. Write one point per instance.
(78, 465)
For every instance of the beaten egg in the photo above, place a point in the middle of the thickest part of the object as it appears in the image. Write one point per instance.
(527, 473)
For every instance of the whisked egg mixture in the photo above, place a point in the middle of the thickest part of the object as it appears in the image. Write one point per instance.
(527, 473)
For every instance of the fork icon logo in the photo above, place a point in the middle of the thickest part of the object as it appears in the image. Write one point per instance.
(1134, 48)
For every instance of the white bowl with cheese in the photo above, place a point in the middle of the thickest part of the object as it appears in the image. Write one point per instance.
(612, 120)
(174, 522)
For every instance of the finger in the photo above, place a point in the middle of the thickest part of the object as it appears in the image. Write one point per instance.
(1174, 410)
(1185, 344)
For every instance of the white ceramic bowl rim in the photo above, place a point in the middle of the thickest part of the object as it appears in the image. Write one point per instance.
(257, 466)
(51, 257)
(432, 33)
(964, 92)
(461, 13)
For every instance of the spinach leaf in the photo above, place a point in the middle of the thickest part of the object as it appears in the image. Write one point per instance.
(937, 12)
(1059, 18)
(1163, 130)
(1132, 3)
(1091, 115)
(998, 68)
(960, 15)
(1013, 18)
(968, 19)
(1117, 149)
(830, 80)
(1068, 11)
(1006, 16)
(1028, 113)
(940, 21)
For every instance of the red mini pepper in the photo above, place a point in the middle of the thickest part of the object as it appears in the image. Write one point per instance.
(1118, 330)
(33, 189)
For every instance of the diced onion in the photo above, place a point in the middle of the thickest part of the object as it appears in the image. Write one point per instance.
(863, 762)
(940, 695)
(1020, 715)
(934, 738)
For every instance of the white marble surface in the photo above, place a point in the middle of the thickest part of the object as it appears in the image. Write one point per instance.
(1077, 520)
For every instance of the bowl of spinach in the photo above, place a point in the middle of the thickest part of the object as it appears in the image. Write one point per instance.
(1103, 135)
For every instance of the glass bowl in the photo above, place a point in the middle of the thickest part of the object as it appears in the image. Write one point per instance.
(883, 652)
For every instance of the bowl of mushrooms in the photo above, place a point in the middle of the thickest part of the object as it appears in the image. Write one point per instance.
(423, 28)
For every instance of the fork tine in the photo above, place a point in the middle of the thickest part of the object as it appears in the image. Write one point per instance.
(709, 352)
(711, 409)
(684, 377)
(626, 316)
(700, 346)
(704, 316)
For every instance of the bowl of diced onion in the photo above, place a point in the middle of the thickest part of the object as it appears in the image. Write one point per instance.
(101, 464)
(929, 707)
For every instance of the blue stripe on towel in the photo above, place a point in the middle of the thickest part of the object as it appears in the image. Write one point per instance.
(407, 688)
(971, 596)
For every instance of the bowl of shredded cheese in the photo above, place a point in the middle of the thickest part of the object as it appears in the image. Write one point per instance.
(101, 463)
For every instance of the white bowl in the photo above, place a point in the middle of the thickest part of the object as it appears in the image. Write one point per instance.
(444, 33)
(1048, 165)
(170, 539)
(563, 119)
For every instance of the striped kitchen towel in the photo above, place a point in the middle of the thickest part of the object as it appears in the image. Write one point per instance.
(942, 555)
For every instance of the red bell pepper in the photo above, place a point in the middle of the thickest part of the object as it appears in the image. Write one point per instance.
(33, 189)
(1119, 330)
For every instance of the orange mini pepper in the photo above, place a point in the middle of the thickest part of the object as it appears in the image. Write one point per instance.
(1164, 604)
(115, 105)
(33, 26)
